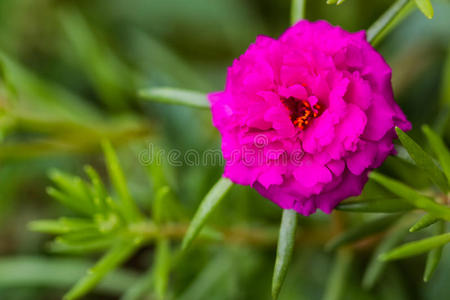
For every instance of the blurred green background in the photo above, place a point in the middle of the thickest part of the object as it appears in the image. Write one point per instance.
(69, 75)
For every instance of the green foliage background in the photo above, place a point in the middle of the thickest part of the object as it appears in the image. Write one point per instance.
(69, 76)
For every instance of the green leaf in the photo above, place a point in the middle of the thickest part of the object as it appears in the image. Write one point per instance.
(158, 58)
(417, 247)
(411, 196)
(285, 248)
(76, 237)
(47, 226)
(61, 226)
(376, 205)
(176, 96)
(46, 99)
(426, 8)
(397, 19)
(111, 260)
(69, 201)
(438, 146)
(99, 192)
(434, 256)
(389, 17)
(337, 281)
(11, 91)
(444, 93)
(332, 1)
(164, 205)
(74, 192)
(423, 160)
(297, 10)
(424, 222)
(376, 267)
(356, 233)
(158, 204)
(213, 274)
(162, 268)
(156, 171)
(207, 206)
(94, 245)
(37, 271)
(140, 287)
(130, 210)
(108, 75)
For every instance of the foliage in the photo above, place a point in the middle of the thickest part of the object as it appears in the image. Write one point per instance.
(74, 76)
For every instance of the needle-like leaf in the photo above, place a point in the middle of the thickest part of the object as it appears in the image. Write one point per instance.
(434, 256)
(423, 222)
(206, 208)
(130, 210)
(72, 192)
(176, 96)
(99, 192)
(417, 247)
(439, 148)
(62, 225)
(285, 248)
(386, 19)
(426, 8)
(377, 205)
(113, 258)
(338, 277)
(23, 272)
(214, 274)
(69, 201)
(92, 245)
(423, 160)
(411, 196)
(376, 267)
(108, 74)
(358, 232)
(158, 204)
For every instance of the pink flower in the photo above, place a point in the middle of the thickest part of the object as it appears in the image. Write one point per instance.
(304, 118)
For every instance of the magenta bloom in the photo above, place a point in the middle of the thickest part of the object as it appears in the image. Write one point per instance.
(304, 118)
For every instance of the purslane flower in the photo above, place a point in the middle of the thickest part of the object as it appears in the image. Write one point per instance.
(305, 117)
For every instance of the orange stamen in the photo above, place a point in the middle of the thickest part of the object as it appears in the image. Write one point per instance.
(301, 112)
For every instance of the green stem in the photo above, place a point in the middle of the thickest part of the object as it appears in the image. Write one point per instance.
(383, 24)
(297, 10)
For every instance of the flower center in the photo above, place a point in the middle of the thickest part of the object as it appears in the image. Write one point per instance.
(301, 112)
